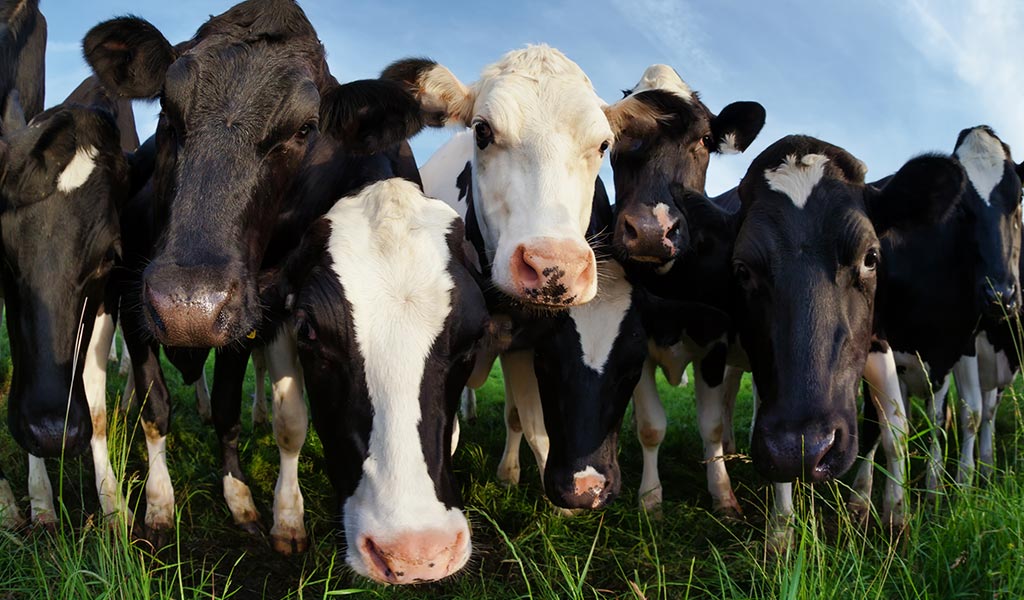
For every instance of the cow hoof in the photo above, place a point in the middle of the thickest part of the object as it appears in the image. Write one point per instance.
(44, 523)
(651, 501)
(508, 476)
(289, 542)
(253, 528)
(729, 513)
(860, 513)
(780, 540)
(158, 537)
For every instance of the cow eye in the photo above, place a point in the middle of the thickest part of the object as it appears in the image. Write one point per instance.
(871, 259)
(604, 147)
(742, 273)
(707, 141)
(484, 134)
(305, 130)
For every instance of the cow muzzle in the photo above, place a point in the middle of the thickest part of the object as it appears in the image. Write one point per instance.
(194, 307)
(650, 235)
(553, 272)
(812, 455)
(49, 435)
(416, 556)
(588, 488)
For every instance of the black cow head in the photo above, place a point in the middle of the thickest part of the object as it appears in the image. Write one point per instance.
(669, 139)
(806, 258)
(991, 210)
(62, 178)
(23, 53)
(388, 318)
(242, 103)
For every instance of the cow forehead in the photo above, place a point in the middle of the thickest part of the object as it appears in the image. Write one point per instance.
(663, 77)
(984, 158)
(797, 176)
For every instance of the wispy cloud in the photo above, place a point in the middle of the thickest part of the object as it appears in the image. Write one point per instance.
(675, 26)
(980, 43)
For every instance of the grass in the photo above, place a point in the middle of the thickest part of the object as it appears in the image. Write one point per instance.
(967, 544)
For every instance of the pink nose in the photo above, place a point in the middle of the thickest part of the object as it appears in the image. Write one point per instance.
(415, 557)
(554, 272)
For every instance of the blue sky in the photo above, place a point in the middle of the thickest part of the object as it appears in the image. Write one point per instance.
(886, 80)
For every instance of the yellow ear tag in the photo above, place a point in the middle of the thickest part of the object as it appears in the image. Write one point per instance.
(252, 335)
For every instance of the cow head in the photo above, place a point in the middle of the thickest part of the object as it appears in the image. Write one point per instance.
(806, 257)
(388, 319)
(62, 178)
(587, 367)
(666, 136)
(23, 53)
(992, 212)
(540, 135)
(242, 103)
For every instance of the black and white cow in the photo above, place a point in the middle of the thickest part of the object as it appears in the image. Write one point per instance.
(388, 317)
(807, 257)
(64, 177)
(243, 102)
(973, 258)
(677, 245)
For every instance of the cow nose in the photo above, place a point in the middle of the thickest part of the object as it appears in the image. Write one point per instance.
(554, 272)
(1000, 299)
(187, 307)
(415, 557)
(650, 237)
(805, 455)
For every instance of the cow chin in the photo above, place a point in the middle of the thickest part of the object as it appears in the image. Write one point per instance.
(586, 487)
(398, 545)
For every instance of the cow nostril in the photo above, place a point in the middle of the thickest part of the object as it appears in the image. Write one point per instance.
(673, 231)
(629, 231)
(525, 273)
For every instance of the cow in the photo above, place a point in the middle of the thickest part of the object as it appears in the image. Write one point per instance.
(806, 258)
(245, 103)
(64, 178)
(974, 258)
(388, 316)
(678, 246)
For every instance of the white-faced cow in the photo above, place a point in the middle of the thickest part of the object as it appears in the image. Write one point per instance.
(807, 258)
(243, 102)
(388, 317)
(677, 245)
(64, 177)
(974, 258)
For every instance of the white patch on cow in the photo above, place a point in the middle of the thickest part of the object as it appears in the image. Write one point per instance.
(291, 422)
(389, 252)
(660, 211)
(239, 499)
(440, 174)
(797, 176)
(663, 77)
(984, 160)
(10, 514)
(78, 170)
(40, 493)
(159, 489)
(598, 321)
(729, 144)
(665, 268)
(536, 180)
(589, 480)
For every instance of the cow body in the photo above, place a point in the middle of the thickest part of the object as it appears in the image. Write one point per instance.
(244, 104)
(387, 319)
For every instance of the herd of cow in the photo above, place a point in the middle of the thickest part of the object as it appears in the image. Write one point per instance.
(225, 231)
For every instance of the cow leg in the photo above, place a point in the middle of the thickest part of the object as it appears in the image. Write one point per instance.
(129, 391)
(859, 503)
(259, 398)
(203, 405)
(112, 355)
(125, 368)
(937, 416)
(968, 384)
(780, 530)
(94, 376)
(10, 514)
(455, 434)
(291, 422)
(40, 493)
(883, 382)
(650, 430)
(148, 383)
(468, 404)
(733, 376)
(710, 400)
(986, 434)
(518, 370)
(508, 468)
(226, 398)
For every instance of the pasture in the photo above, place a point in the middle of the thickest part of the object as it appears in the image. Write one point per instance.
(965, 543)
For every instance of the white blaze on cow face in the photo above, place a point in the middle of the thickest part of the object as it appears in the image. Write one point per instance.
(389, 252)
(78, 170)
(796, 177)
(598, 322)
(984, 160)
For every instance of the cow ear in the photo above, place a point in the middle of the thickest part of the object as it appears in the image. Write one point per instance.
(53, 153)
(639, 116)
(1020, 171)
(129, 55)
(369, 116)
(922, 192)
(14, 116)
(736, 127)
(441, 96)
